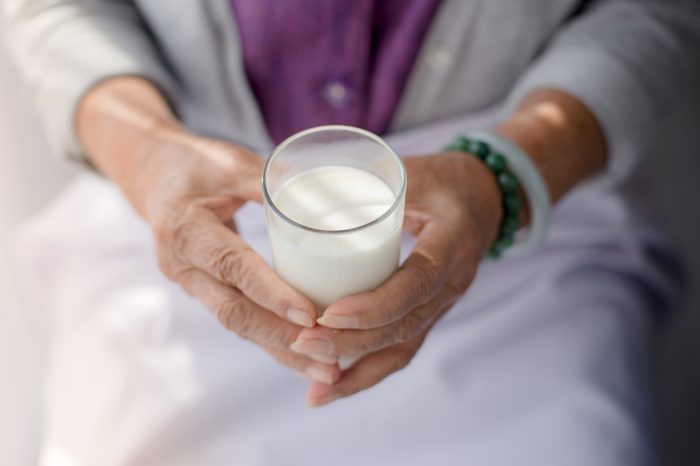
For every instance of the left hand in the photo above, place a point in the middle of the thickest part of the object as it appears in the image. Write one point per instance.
(453, 207)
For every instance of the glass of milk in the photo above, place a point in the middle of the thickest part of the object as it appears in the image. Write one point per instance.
(334, 198)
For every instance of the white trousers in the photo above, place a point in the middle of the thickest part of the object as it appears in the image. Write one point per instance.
(544, 362)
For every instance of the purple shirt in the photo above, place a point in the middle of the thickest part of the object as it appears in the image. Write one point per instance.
(317, 62)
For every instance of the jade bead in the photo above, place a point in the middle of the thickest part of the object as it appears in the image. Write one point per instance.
(480, 149)
(500, 245)
(510, 225)
(495, 162)
(494, 253)
(508, 182)
(512, 203)
(506, 241)
(461, 143)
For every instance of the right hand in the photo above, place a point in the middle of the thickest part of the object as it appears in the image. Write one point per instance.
(188, 188)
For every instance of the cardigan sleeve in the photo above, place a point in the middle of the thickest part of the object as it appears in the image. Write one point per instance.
(65, 47)
(628, 61)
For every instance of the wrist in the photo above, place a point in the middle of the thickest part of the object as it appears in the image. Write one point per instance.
(119, 107)
(513, 169)
(122, 124)
(483, 199)
(144, 173)
(561, 136)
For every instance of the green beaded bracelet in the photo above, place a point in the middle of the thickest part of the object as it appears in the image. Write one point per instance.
(507, 182)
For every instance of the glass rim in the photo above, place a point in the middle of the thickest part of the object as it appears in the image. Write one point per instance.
(351, 129)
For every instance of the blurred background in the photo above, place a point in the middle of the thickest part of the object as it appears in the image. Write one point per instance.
(30, 176)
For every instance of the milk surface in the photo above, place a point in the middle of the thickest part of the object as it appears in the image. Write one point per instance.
(328, 266)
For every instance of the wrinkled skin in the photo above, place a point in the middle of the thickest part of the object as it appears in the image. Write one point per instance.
(190, 207)
(452, 207)
(204, 182)
(188, 188)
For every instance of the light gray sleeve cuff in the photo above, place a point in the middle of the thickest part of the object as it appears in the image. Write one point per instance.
(606, 88)
(627, 61)
(65, 48)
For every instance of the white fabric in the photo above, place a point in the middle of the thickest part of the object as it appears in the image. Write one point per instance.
(543, 363)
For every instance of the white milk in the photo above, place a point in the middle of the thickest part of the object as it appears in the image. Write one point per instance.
(328, 266)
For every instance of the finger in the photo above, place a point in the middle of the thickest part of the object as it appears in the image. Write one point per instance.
(415, 283)
(325, 341)
(326, 374)
(366, 373)
(413, 221)
(210, 246)
(238, 313)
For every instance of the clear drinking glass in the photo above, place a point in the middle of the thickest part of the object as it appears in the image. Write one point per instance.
(334, 198)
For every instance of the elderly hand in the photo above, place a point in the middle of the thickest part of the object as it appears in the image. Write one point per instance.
(188, 188)
(190, 204)
(453, 207)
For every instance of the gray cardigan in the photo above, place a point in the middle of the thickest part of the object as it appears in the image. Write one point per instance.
(628, 60)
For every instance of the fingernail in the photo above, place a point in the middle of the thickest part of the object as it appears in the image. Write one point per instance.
(339, 321)
(312, 345)
(324, 358)
(300, 317)
(317, 402)
(319, 375)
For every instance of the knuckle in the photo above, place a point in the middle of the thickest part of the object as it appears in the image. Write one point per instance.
(389, 308)
(161, 230)
(367, 345)
(174, 234)
(185, 278)
(181, 232)
(424, 278)
(165, 264)
(410, 326)
(453, 292)
(192, 209)
(231, 264)
(283, 335)
(350, 343)
(249, 266)
(165, 225)
(169, 240)
(231, 314)
(236, 315)
(169, 265)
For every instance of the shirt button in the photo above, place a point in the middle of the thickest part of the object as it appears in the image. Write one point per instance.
(337, 93)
